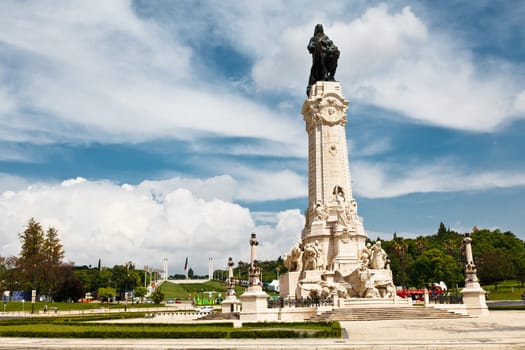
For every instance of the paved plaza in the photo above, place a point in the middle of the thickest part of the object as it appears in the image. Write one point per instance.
(499, 330)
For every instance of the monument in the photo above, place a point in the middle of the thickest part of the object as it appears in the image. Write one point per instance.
(254, 300)
(331, 258)
(473, 294)
(230, 304)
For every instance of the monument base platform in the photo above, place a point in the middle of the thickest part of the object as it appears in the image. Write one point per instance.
(474, 300)
(231, 304)
(288, 284)
(254, 301)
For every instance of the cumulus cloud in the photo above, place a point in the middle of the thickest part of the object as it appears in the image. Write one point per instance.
(263, 185)
(145, 223)
(98, 72)
(375, 180)
(392, 60)
(12, 183)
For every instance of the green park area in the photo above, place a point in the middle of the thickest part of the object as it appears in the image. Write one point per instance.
(63, 288)
(92, 327)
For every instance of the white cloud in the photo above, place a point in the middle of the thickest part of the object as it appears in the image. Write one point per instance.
(392, 60)
(263, 184)
(277, 240)
(12, 183)
(97, 72)
(370, 147)
(7, 102)
(145, 223)
(519, 103)
(374, 180)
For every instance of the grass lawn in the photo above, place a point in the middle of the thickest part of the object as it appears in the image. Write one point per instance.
(507, 290)
(67, 327)
(16, 306)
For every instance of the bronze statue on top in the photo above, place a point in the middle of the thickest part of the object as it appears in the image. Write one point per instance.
(324, 58)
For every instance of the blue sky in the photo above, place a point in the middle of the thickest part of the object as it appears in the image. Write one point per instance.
(153, 129)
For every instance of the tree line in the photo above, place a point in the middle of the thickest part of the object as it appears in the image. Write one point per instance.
(40, 266)
(415, 262)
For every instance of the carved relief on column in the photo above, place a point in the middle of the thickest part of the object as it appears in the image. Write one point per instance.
(329, 109)
(470, 267)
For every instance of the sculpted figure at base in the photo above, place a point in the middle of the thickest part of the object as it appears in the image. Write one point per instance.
(378, 260)
(293, 260)
(366, 254)
(342, 218)
(313, 257)
(319, 211)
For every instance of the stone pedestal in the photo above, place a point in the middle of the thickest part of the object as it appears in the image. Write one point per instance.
(474, 300)
(230, 305)
(288, 283)
(254, 301)
(308, 283)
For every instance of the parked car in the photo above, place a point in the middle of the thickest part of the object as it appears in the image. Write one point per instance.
(148, 301)
(170, 301)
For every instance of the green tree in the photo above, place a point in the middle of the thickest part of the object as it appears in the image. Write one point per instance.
(125, 277)
(10, 276)
(157, 296)
(496, 255)
(442, 230)
(32, 259)
(519, 267)
(69, 287)
(53, 253)
(140, 292)
(494, 266)
(433, 266)
(106, 293)
(400, 248)
(40, 258)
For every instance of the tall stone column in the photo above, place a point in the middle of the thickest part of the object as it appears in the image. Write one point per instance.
(254, 300)
(331, 218)
(230, 303)
(473, 294)
(254, 272)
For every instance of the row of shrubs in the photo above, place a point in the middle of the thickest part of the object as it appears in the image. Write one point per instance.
(76, 328)
(70, 319)
(198, 333)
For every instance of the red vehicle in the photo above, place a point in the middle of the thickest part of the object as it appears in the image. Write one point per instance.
(418, 294)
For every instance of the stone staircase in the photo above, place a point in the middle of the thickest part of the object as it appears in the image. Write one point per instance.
(386, 313)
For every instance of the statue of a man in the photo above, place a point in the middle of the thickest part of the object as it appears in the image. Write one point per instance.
(342, 218)
(324, 57)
